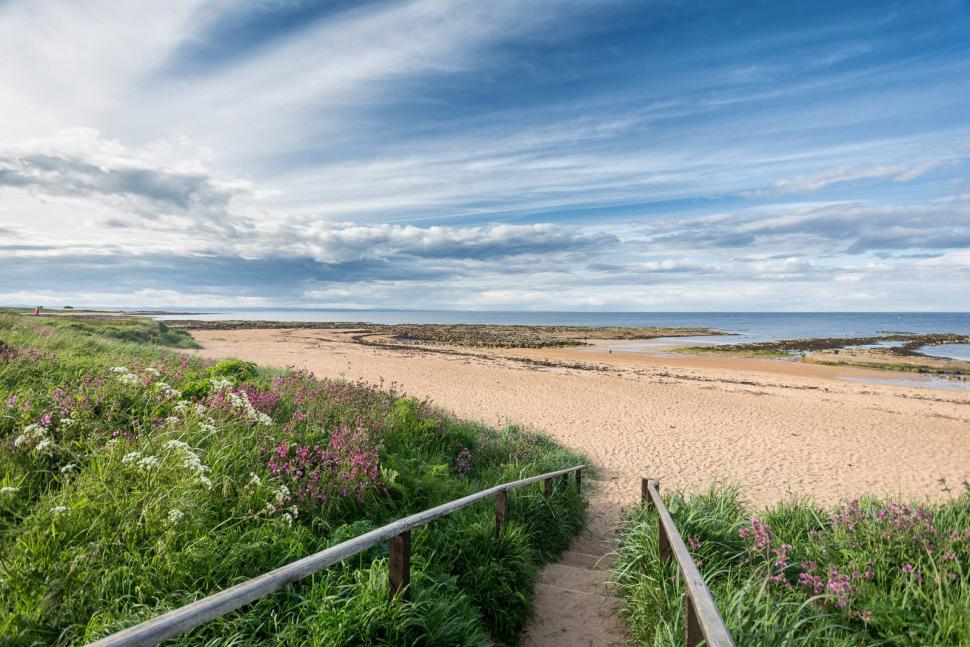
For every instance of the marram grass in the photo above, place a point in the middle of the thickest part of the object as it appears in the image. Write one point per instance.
(134, 480)
(870, 572)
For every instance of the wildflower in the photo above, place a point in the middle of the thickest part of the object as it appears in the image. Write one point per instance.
(194, 463)
(130, 378)
(463, 461)
(269, 508)
(119, 369)
(59, 509)
(295, 511)
(172, 420)
(66, 423)
(282, 494)
(949, 556)
(254, 480)
(206, 482)
(181, 406)
(264, 419)
(29, 434)
(70, 467)
(151, 370)
(177, 445)
(207, 427)
(148, 462)
(175, 515)
(45, 446)
(131, 457)
(695, 543)
(865, 616)
(11, 402)
(200, 408)
(287, 518)
(907, 568)
(220, 383)
(9, 490)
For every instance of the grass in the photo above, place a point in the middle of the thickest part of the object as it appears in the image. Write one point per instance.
(132, 329)
(134, 480)
(870, 572)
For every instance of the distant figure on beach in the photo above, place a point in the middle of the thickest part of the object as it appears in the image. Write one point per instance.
(37, 311)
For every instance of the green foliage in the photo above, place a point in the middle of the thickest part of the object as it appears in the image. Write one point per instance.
(868, 573)
(134, 480)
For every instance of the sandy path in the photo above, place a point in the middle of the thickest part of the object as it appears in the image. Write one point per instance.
(769, 428)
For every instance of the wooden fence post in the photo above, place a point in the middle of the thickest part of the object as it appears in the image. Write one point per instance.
(501, 511)
(400, 564)
(693, 635)
(645, 490)
(579, 479)
(547, 487)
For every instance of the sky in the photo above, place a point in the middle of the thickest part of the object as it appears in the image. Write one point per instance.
(642, 155)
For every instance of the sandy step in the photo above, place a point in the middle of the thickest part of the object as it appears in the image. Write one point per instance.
(586, 560)
(575, 578)
(568, 618)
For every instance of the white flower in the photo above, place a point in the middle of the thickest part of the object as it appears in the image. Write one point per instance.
(206, 482)
(269, 508)
(172, 420)
(45, 446)
(175, 515)
(130, 378)
(282, 494)
(148, 462)
(194, 463)
(220, 383)
(131, 457)
(207, 427)
(66, 422)
(119, 369)
(151, 370)
(254, 480)
(181, 406)
(295, 511)
(264, 419)
(70, 467)
(59, 509)
(200, 408)
(30, 433)
(178, 445)
(287, 518)
(8, 490)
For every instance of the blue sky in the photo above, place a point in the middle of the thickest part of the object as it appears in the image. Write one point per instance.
(595, 155)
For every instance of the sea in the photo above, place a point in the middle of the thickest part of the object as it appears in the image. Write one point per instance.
(742, 327)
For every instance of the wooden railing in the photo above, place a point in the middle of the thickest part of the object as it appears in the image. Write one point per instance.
(398, 533)
(703, 624)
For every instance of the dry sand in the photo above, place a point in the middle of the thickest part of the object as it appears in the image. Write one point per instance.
(774, 428)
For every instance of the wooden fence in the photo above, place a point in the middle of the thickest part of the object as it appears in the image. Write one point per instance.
(398, 533)
(703, 624)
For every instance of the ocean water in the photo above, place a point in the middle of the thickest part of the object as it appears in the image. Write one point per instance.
(742, 326)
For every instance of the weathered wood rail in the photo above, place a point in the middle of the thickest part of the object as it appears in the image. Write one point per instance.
(703, 624)
(398, 533)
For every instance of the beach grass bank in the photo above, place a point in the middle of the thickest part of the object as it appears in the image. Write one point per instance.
(865, 573)
(134, 479)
